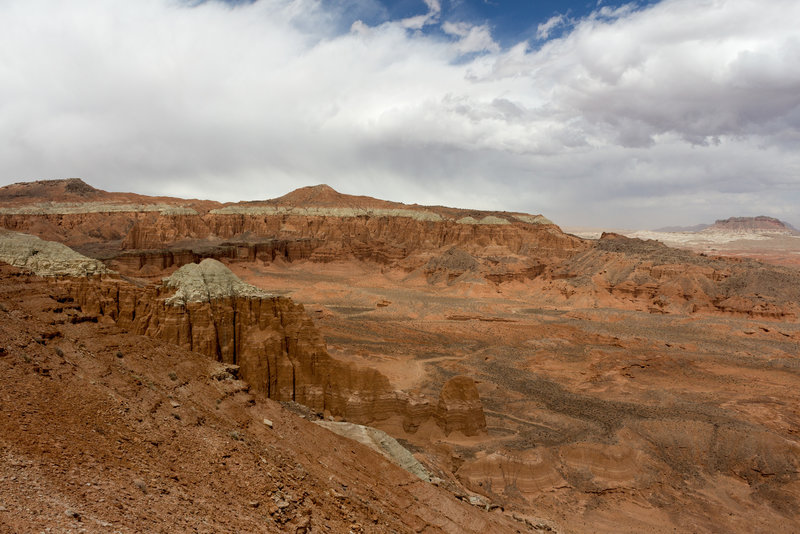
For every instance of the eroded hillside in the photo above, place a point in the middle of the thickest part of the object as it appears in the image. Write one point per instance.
(615, 385)
(105, 430)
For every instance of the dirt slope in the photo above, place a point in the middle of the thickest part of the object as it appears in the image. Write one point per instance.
(104, 431)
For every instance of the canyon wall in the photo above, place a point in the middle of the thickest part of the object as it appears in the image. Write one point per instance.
(323, 238)
(326, 224)
(146, 236)
(272, 341)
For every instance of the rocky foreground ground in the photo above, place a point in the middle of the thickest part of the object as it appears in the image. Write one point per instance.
(106, 431)
(534, 380)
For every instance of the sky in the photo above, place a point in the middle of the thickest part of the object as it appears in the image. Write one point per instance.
(601, 114)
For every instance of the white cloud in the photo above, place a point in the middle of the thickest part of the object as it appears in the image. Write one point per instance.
(545, 28)
(684, 112)
(471, 38)
(420, 21)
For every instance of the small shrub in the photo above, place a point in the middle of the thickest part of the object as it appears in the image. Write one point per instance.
(141, 485)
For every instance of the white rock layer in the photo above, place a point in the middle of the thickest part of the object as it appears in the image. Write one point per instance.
(45, 258)
(383, 443)
(206, 281)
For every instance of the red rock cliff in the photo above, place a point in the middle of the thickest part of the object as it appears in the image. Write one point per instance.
(278, 349)
(329, 225)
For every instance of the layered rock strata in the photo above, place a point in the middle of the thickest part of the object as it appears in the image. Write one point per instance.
(460, 408)
(274, 343)
(279, 352)
(322, 224)
(144, 236)
(745, 225)
(206, 308)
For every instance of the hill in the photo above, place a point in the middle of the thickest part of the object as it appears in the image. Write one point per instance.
(758, 224)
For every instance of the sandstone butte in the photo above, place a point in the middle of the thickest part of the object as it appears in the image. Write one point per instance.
(591, 423)
(761, 223)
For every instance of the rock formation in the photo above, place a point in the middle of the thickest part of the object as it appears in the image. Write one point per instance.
(142, 236)
(45, 258)
(460, 408)
(206, 308)
(742, 225)
(274, 343)
(611, 404)
(279, 352)
(102, 430)
(650, 276)
(762, 223)
(207, 281)
(315, 223)
(450, 265)
(380, 442)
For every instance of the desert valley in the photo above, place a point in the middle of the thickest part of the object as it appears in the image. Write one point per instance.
(322, 362)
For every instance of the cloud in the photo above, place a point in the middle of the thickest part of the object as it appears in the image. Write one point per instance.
(683, 112)
(544, 29)
(420, 21)
(471, 38)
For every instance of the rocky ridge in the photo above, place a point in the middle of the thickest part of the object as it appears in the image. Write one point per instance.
(270, 340)
(740, 225)
(445, 246)
(102, 430)
(629, 386)
(653, 277)
(206, 281)
(314, 223)
(46, 258)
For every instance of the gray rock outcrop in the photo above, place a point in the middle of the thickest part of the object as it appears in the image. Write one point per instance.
(45, 258)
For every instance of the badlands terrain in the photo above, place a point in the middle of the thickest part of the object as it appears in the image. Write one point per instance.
(186, 365)
(764, 238)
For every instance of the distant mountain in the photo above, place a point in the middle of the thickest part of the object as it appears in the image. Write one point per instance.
(762, 223)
